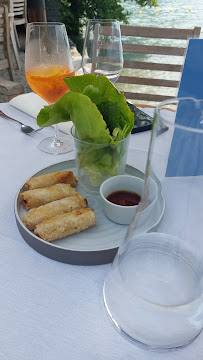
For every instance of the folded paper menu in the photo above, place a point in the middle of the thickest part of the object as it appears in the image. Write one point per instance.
(31, 104)
(191, 85)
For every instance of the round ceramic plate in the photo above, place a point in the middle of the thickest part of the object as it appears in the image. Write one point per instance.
(94, 246)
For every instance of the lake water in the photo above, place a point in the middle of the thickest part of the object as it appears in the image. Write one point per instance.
(179, 16)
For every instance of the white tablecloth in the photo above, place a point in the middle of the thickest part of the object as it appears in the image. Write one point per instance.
(50, 310)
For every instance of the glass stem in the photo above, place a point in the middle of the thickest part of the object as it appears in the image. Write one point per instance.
(57, 141)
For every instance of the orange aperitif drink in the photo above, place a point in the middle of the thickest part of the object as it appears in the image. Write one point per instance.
(47, 81)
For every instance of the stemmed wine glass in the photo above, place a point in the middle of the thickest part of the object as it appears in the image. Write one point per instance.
(48, 61)
(102, 50)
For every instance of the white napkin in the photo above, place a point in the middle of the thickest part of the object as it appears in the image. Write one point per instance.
(31, 104)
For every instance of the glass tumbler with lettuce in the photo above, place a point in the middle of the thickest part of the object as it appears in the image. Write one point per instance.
(102, 126)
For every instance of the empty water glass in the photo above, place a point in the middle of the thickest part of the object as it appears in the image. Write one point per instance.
(154, 291)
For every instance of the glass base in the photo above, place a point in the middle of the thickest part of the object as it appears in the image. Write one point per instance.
(87, 187)
(139, 343)
(62, 146)
(153, 292)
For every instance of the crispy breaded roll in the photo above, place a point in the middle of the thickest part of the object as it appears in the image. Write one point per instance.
(66, 224)
(37, 197)
(58, 207)
(65, 177)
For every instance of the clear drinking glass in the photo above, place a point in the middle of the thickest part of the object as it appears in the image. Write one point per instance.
(102, 50)
(154, 291)
(97, 162)
(48, 61)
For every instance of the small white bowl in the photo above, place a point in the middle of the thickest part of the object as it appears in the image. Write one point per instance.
(124, 214)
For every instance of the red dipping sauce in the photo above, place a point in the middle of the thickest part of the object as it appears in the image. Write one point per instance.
(124, 198)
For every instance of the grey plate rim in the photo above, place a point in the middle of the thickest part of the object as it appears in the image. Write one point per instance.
(69, 256)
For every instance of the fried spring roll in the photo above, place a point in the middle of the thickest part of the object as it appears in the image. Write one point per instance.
(37, 197)
(58, 207)
(65, 177)
(66, 224)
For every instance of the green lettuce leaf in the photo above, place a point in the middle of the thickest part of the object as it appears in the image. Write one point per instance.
(109, 102)
(101, 91)
(90, 124)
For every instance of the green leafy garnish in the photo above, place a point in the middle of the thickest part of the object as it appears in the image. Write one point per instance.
(100, 115)
(94, 106)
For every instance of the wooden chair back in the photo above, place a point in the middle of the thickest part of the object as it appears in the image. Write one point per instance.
(8, 88)
(20, 12)
(152, 66)
(19, 8)
(15, 9)
(6, 62)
